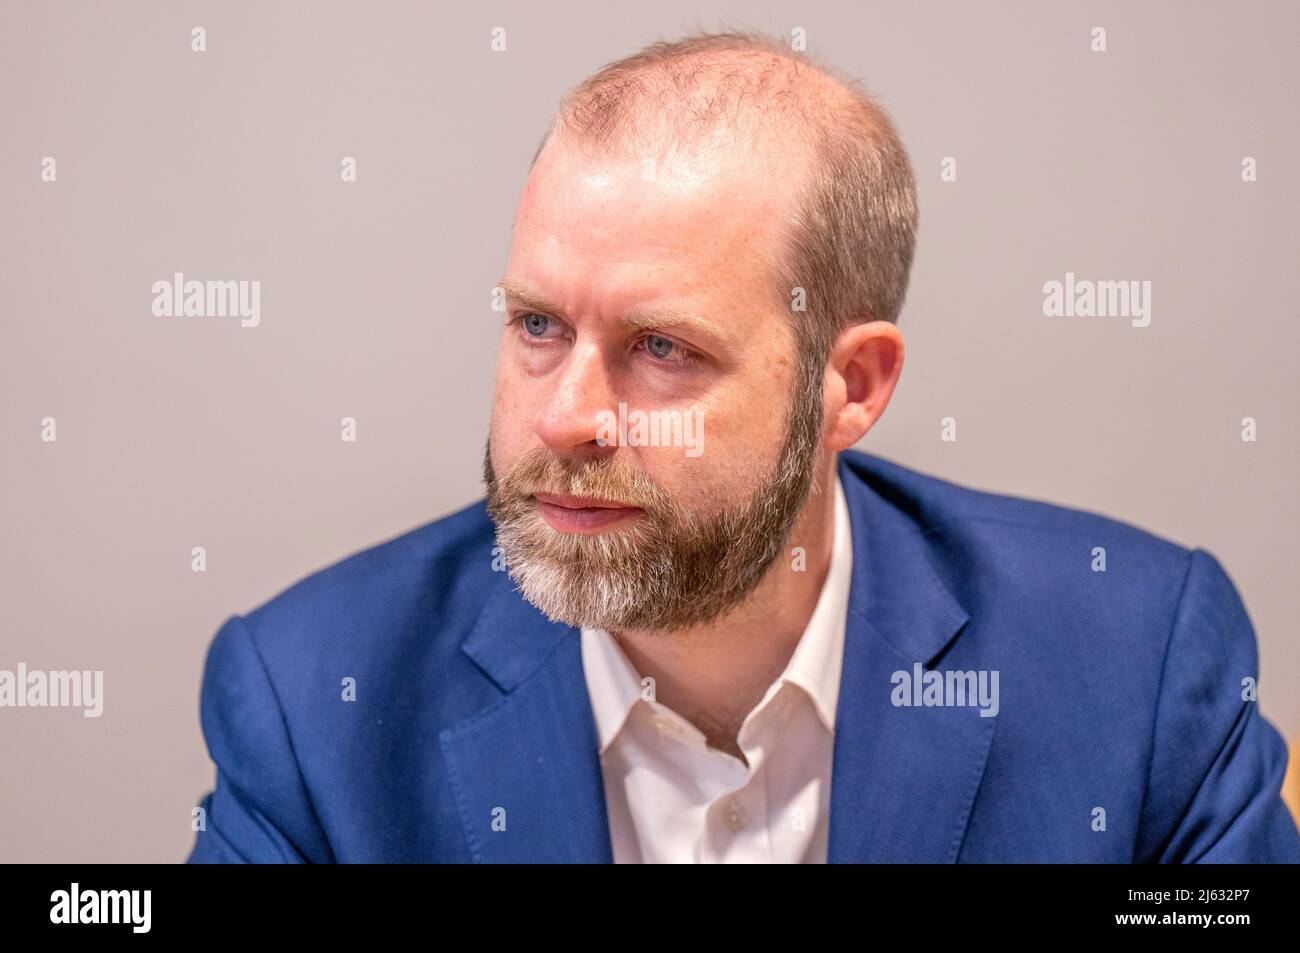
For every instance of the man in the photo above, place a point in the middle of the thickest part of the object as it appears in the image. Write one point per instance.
(648, 646)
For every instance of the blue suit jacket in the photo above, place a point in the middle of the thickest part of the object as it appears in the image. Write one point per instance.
(1119, 690)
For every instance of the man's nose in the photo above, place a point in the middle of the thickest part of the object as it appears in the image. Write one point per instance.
(580, 397)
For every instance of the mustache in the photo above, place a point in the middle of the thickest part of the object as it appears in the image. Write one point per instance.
(541, 471)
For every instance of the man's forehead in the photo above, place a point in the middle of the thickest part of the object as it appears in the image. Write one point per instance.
(670, 177)
(689, 224)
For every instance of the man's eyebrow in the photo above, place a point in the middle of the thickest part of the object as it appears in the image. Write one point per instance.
(650, 319)
(526, 296)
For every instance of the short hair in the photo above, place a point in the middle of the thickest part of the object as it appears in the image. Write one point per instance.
(851, 234)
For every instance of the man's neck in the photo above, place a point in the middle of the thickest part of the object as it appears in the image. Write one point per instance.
(714, 675)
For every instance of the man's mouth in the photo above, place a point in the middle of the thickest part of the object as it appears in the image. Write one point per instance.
(582, 514)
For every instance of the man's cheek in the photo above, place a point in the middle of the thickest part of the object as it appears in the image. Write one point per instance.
(509, 408)
(689, 487)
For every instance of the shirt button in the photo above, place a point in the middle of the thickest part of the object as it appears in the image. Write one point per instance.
(733, 814)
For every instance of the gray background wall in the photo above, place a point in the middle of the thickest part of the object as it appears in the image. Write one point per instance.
(178, 433)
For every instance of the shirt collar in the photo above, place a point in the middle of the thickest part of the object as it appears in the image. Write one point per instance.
(818, 659)
(615, 687)
(612, 683)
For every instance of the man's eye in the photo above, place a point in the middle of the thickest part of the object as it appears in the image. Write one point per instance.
(665, 351)
(536, 324)
(659, 347)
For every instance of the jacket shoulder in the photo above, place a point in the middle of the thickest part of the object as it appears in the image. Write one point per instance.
(943, 508)
(437, 571)
(1048, 560)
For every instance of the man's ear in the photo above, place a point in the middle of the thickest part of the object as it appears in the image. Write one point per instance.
(864, 366)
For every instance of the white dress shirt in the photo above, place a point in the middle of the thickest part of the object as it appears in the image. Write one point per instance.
(673, 799)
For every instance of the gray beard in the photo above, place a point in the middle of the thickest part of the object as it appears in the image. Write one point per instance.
(670, 569)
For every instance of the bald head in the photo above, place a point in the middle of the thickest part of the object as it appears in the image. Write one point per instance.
(805, 133)
(740, 89)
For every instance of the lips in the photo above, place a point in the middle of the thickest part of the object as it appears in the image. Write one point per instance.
(581, 502)
(582, 514)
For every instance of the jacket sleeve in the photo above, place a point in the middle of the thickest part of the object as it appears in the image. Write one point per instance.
(1214, 790)
(259, 810)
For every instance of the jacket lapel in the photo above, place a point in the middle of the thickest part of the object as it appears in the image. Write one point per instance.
(526, 770)
(904, 779)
